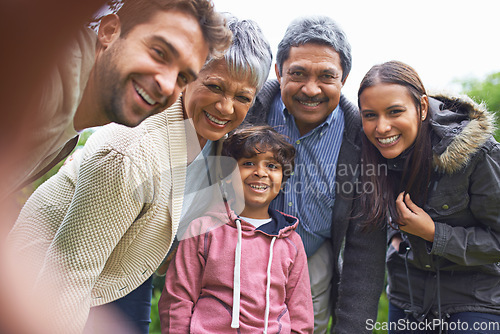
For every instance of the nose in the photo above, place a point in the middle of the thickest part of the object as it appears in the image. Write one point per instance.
(225, 105)
(167, 83)
(260, 170)
(311, 88)
(383, 125)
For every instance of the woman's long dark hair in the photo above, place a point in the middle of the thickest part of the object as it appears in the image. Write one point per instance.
(380, 204)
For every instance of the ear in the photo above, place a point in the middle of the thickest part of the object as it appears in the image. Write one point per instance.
(278, 76)
(109, 30)
(343, 81)
(424, 105)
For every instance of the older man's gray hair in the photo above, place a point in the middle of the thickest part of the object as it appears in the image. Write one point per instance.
(318, 30)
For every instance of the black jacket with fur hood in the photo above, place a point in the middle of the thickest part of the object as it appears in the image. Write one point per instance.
(462, 265)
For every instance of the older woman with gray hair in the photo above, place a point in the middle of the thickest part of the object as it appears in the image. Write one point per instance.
(218, 102)
(95, 232)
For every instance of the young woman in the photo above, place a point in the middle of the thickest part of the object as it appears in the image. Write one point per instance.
(440, 198)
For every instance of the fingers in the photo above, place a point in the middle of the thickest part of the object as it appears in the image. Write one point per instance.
(406, 202)
(401, 205)
(415, 220)
(409, 203)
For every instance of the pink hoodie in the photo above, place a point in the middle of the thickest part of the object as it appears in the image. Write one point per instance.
(202, 281)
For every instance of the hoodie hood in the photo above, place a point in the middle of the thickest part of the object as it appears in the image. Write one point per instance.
(280, 226)
(461, 127)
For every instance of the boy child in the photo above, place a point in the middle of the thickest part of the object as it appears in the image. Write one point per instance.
(249, 274)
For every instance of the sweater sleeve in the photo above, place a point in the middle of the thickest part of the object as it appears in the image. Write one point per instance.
(479, 244)
(183, 282)
(298, 292)
(104, 205)
(362, 279)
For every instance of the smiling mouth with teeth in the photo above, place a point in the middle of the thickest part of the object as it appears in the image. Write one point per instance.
(144, 95)
(310, 104)
(389, 140)
(215, 120)
(259, 187)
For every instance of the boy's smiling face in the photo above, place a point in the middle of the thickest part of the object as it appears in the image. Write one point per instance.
(261, 177)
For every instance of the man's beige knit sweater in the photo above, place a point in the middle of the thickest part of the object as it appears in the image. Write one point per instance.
(101, 226)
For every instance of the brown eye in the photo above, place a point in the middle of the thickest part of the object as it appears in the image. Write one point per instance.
(243, 99)
(183, 80)
(272, 166)
(214, 88)
(159, 53)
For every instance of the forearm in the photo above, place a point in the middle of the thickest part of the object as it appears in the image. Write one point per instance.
(468, 246)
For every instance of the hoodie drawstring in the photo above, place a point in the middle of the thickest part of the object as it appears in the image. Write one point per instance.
(235, 323)
(268, 288)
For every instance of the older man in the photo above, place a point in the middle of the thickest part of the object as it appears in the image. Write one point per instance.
(305, 103)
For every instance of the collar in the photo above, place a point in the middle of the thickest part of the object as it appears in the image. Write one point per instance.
(332, 117)
(398, 163)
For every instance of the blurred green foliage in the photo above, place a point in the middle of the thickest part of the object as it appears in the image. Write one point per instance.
(485, 91)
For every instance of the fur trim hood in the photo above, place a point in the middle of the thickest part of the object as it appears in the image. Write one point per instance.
(461, 128)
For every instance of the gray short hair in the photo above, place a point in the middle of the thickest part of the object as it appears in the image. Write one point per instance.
(249, 55)
(319, 30)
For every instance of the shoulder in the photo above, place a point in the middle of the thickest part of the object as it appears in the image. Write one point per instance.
(263, 101)
(295, 237)
(204, 226)
(114, 138)
(86, 41)
(268, 91)
(296, 243)
(352, 116)
(154, 136)
(461, 129)
(352, 123)
(490, 152)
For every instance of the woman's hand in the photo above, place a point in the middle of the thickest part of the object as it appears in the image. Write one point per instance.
(415, 220)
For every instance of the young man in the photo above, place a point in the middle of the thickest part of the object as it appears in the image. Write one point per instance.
(248, 271)
(136, 66)
(305, 103)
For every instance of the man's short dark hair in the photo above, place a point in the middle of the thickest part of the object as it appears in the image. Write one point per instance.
(249, 141)
(212, 24)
